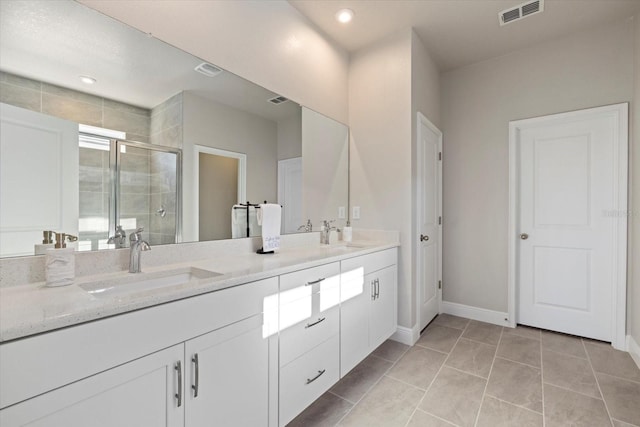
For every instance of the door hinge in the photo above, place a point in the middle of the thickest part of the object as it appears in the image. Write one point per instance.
(439, 284)
(440, 155)
(439, 220)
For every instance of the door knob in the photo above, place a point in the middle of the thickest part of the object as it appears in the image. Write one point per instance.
(423, 238)
(524, 236)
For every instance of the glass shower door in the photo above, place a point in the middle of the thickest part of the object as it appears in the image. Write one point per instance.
(148, 191)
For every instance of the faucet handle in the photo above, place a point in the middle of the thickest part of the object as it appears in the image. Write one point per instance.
(327, 223)
(136, 235)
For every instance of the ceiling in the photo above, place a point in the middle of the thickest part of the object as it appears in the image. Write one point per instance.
(460, 32)
(57, 41)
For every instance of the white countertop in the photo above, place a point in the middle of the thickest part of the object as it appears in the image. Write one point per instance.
(34, 308)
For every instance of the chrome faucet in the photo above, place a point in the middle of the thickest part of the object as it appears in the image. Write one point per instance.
(119, 238)
(137, 246)
(307, 228)
(325, 231)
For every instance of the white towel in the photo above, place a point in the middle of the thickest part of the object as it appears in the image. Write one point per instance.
(239, 222)
(269, 218)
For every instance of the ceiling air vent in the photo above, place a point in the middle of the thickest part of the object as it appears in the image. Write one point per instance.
(522, 11)
(278, 100)
(208, 70)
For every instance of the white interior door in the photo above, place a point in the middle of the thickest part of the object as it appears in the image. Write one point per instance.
(429, 241)
(567, 220)
(290, 193)
(38, 178)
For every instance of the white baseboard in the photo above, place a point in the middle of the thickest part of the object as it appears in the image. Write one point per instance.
(475, 313)
(634, 349)
(408, 336)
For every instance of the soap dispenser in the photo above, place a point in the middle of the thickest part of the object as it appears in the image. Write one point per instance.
(347, 232)
(60, 268)
(47, 243)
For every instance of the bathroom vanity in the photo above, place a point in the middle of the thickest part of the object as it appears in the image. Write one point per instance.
(253, 345)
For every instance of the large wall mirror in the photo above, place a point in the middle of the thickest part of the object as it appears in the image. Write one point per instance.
(105, 126)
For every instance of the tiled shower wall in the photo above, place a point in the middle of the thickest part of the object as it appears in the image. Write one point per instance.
(140, 200)
(166, 123)
(166, 130)
(75, 106)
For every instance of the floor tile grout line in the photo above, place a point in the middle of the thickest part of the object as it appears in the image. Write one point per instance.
(484, 392)
(519, 363)
(430, 348)
(593, 371)
(480, 342)
(434, 416)
(466, 372)
(372, 386)
(632, 425)
(514, 404)
(613, 376)
(340, 397)
(436, 375)
(571, 390)
(564, 354)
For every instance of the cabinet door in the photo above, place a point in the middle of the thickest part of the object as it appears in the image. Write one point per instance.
(138, 393)
(382, 316)
(356, 293)
(231, 376)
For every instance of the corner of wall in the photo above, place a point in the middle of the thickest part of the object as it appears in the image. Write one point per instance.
(633, 292)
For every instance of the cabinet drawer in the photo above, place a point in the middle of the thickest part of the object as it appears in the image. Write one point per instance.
(318, 278)
(307, 378)
(303, 336)
(371, 262)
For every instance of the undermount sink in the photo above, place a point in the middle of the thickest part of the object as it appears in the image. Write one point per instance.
(140, 282)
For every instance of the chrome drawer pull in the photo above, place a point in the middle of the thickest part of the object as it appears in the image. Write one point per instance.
(309, 381)
(314, 282)
(314, 323)
(178, 395)
(196, 385)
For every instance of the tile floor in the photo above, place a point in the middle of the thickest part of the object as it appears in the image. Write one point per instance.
(467, 373)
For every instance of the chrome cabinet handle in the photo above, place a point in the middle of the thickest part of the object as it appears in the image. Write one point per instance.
(373, 290)
(423, 238)
(195, 386)
(377, 288)
(314, 323)
(178, 395)
(524, 236)
(310, 380)
(314, 282)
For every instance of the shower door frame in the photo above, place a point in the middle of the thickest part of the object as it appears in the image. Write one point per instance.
(114, 171)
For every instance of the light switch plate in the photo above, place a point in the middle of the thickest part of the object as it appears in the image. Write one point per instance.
(342, 213)
(356, 212)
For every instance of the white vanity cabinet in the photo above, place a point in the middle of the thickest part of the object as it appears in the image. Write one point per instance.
(138, 393)
(139, 368)
(309, 337)
(227, 377)
(368, 311)
(256, 354)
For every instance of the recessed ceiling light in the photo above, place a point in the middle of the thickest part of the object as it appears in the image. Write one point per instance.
(345, 15)
(87, 80)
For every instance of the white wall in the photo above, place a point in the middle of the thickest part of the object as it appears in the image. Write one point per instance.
(388, 83)
(267, 42)
(579, 71)
(634, 256)
(215, 125)
(380, 119)
(290, 136)
(325, 168)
